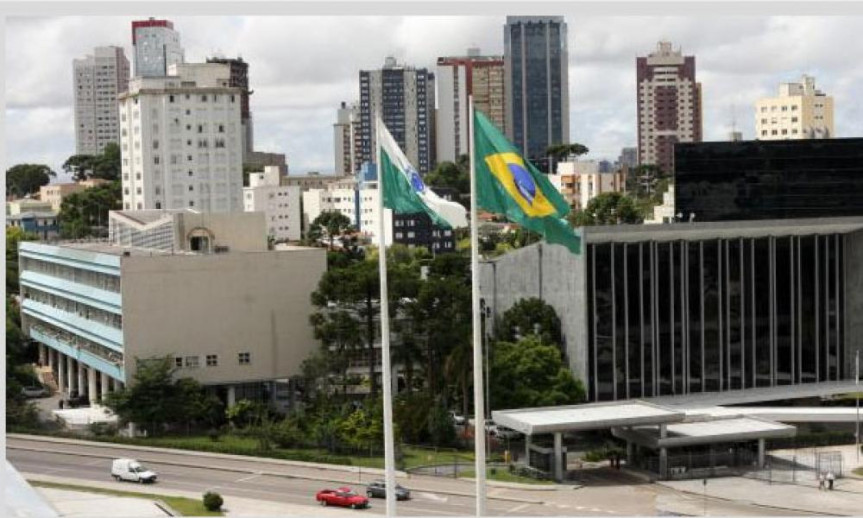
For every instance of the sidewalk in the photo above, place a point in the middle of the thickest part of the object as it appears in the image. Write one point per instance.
(73, 504)
(846, 500)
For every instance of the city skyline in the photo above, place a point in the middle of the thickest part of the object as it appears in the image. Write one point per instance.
(739, 58)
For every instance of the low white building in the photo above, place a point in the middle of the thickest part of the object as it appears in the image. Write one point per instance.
(664, 213)
(279, 203)
(357, 201)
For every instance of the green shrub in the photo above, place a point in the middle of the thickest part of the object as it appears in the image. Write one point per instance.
(213, 501)
(214, 434)
(103, 429)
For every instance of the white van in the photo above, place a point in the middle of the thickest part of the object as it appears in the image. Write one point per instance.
(132, 470)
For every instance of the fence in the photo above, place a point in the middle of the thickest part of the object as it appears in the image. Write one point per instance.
(800, 467)
(704, 465)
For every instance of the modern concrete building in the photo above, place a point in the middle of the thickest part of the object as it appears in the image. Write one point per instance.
(580, 181)
(97, 81)
(800, 111)
(201, 288)
(14, 207)
(44, 223)
(346, 141)
(239, 78)
(279, 203)
(684, 309)
(536, 60)
(459, 77)
(628, 157)
(157, 47)
(664, 213)
(181, 140)
(405, 98)
(669, 105)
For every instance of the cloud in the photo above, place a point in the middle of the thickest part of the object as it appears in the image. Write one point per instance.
(302, 67)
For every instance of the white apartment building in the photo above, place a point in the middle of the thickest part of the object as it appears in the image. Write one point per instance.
(157, 47)
(664, 213)
(358, 202)
(800, 111)
(346, 133)
(580, 181)
(280, 204)
(181, 141)
(97, 81)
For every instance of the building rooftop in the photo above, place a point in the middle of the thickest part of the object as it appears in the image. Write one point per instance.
(594, 416)
(104, 247)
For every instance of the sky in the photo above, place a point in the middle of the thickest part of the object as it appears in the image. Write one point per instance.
(302, 68)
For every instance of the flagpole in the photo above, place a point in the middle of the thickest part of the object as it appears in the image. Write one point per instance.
(478, 400)
(389, 442)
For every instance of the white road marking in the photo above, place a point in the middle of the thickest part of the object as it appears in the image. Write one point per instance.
(433, 496)
(250, 477)
(518, 508)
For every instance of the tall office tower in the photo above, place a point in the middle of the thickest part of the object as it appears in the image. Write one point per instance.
(537, 83)
(669, 105)
(799, 111)
(181, 140)
(405, 98)
(157, 46)
(98, 80)
(240, 79)
(628, 157)
(346, 137)
(457, 79)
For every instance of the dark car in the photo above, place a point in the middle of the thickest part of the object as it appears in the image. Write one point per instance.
(76, 400)
(342, 497)
(378, 489)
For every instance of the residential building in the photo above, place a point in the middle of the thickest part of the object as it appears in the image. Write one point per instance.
(664, 213)
(14, 207)
(800, 111)
(580, 181)
(628, 157)
(261, 159)
(54, 193)
(405, 98)
(239, 78)
(42, 223)
(754, 180)
(669, 105)
(536, 60)
(458, 78)
(200, 288)
(312, 180)
(280, 204)
(97, 81)
(346, 132)
(181, 141)
(683, 309)
(157, 47)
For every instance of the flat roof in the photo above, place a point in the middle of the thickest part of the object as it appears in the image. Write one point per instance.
(785, 414)
(756, 395)
(706, 430)
(110, 249)
(593, 416)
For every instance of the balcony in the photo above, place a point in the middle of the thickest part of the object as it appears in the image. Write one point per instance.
(88, 353)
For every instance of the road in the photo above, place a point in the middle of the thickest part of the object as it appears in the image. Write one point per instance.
(604, 493)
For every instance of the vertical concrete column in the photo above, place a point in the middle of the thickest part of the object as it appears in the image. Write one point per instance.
(630, 453)
(82, 379)
(91, 385)
(527, 450)
(232, 395)
(558, 456)
(51, 359)
(761, 453)
(61, 374)
(663, 454)
(104, 386)
(43, 356)
(71, 374)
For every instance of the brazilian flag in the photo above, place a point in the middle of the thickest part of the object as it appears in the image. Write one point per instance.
(510, 185)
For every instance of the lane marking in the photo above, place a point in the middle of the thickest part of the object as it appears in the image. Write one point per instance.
(518, 508)
(250, 477)
(433, 496)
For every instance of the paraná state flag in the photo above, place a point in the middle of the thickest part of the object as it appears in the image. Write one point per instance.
(510, 185)
(404, 190)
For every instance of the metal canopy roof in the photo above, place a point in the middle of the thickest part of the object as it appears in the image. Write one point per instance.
(595, 416)
(708, 430)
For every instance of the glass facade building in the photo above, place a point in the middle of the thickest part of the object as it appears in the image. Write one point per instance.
(756, 180)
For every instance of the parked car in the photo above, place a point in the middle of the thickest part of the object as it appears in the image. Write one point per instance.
(75, 400)
(342, 497)
(457, 418)
(131, 470)
(378, 489)
(34, 391)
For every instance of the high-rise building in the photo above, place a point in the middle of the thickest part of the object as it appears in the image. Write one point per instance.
(628, 157)
(98, 80)
(405, 98)
(669, 105)
(799, 111)
(181, 141)
(346, 138)
(537, 83)
(457, 79)
(240, 79)
(279, 203)
(157, 47)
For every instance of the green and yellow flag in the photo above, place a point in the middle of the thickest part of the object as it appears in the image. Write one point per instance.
(507, 184)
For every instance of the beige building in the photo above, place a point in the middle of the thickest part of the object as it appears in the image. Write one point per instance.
(54, 193)
(800, 111)
(580, 181)
(200, 288)
(15, 207)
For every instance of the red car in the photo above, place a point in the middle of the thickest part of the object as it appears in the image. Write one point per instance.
(342, 497)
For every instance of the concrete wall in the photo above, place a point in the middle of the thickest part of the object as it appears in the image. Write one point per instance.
(548, 272)
(853, 338)
(239, 231)
(222, 304)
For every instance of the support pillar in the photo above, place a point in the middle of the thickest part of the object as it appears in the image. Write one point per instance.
(630, 453)
(72, 375)
(43, 356)
(61, 375)
(232, 395)
(527, 450)
(558, 456)
(51, 357)
(663, 454)
(761, 453)
(82, 378)
(104, 387)
(92, 391)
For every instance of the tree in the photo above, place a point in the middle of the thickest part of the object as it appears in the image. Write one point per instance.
(105, 166)
(563, 151)
(24, 179)
(85, 213)
(14, 235)
(330, 224)
(526, 317)
(530, 373)
(609, 208)
(340, 333)
(450, 176)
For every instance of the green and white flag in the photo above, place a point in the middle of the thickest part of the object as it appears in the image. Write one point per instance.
(406, 193)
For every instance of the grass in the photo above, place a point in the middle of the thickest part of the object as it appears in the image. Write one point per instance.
(184, 506)
(503, 475)
(859, 471)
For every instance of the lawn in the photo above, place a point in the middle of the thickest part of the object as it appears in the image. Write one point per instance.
(503, 475)
(184, 506)
(859, 471)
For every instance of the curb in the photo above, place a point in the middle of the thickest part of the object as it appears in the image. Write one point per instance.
(166, 508)
(756, 504)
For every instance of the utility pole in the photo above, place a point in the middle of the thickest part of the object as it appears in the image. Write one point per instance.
(857, 399)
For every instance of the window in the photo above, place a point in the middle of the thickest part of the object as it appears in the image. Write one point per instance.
(245, 358)
(190, 172)
(212, 360)
(178, 361)
(203, 98)
(192, 362)
(191, 203)
(170, 98)
(158, 205)
(155, 144)
(191, 188)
